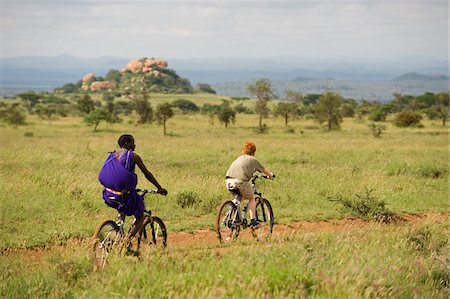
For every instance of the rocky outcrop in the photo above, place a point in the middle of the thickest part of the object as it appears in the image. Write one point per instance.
(142, 71)
(146, 65)
(88, 78)
(102, 85)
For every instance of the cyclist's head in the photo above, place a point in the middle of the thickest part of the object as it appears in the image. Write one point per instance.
(126, 141)
(249, 148)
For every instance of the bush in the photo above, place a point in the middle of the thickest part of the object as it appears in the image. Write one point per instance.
(185, 106)
(365, 206)
(377, 129)
(263, 129)
(408, 118)
(204, 87)
(431, 171)
(186, 198)
(424, 170)
(13, 115)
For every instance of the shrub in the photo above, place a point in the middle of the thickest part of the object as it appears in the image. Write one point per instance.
(431, 171)
(263, 129)
(425, 170)
(185, 106)
(290, 130)
(365, 206)
(13, 115)
(186, 198)
(240, 108)
(427, 239)
(408, 118)
(205, 88)
(376, 129)
(211, 203)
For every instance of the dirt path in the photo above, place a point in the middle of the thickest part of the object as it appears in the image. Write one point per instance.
(207, 238)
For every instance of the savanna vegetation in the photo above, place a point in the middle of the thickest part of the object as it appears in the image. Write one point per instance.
(329, 166)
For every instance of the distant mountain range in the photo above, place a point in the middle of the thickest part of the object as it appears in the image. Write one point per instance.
(230, 76)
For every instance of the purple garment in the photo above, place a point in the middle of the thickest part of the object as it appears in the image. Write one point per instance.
(119, 175)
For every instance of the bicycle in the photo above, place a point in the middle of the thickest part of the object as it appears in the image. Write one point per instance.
(110, 234)
(231, 218)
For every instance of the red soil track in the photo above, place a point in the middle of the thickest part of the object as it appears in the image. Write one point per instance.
(206, 238)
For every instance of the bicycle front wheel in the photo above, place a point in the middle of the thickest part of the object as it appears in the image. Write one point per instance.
(226, 227)
(265, 218)
(106, 236)
(153, 232)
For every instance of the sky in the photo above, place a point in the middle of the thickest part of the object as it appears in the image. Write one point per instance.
(207, 29)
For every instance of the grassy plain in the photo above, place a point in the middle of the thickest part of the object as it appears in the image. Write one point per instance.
(50, 195)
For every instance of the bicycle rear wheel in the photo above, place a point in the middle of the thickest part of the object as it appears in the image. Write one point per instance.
(153, 233)
(226, 227)
(265, 218)
(106, 236)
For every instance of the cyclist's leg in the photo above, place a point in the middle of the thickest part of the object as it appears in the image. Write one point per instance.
(137, 208)
(247, 194)
(136, 226)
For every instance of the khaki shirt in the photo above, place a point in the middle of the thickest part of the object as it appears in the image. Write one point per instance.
(243, 168)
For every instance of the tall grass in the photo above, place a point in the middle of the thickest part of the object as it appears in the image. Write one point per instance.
(50, 191)
(376, 262)
(50, 195)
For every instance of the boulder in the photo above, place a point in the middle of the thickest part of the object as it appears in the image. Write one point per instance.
(145, 65)
(88, 78)
(102, 85)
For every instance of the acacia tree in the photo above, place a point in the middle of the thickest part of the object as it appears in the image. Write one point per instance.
(12, 114)
(95, 117)
(163, 113)
(30, 99)
(291, 108)
(295, 97)
(286, 110)
(263, 91)
(85, 104)
(226, 115)
(143, 107)
(47, 111)
(328, 110)
(442, 107)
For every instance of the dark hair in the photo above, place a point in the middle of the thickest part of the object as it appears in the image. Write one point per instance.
(126, 138)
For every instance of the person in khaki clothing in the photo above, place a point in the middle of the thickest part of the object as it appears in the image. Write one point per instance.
(240, 173)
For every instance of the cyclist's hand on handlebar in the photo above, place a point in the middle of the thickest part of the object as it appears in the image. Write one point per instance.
(268, 177)
(162, 191)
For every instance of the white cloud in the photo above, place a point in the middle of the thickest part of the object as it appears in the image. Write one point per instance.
(225, 28)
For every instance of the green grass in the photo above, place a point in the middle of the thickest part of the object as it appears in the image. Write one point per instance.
(50, 189)
(376, 262)
(50, 194)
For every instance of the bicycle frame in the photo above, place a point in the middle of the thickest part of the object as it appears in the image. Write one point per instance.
(241, 220)
(121, 219)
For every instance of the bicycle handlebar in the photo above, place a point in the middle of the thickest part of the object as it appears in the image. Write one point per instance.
(145, 191)
(257, 176)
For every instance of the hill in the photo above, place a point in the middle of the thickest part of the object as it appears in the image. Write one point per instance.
(149, 73)
(229, 76)
(381, 91)
(420, 77)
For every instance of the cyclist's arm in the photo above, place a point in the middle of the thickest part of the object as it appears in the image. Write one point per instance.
(268, 173)
(148, 175)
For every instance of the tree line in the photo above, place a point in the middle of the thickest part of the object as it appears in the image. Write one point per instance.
(328, 109)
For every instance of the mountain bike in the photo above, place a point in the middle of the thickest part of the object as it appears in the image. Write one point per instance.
(231, 218)
(110, 235)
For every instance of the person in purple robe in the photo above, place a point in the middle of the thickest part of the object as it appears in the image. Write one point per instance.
(120, 180)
